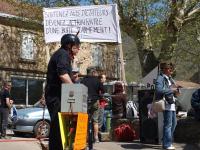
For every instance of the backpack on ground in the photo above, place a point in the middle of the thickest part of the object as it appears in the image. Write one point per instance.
(124, 133)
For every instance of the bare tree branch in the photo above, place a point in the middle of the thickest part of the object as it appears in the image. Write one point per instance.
(197, 10)
(191, 16)
(188, 9)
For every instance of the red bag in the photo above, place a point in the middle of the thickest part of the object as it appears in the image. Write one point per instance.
(124, 133)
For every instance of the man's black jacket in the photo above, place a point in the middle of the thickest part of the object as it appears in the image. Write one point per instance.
(95, 87)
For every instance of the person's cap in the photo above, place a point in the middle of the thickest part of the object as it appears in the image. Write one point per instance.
(69, 39)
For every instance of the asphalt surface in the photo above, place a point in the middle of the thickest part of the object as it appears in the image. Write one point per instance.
(139, 146)
(20, 144)
(17, 143)
(28, 143)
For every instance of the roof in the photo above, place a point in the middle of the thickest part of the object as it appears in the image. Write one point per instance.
(21, 15)
(20, 9)
(187, 84)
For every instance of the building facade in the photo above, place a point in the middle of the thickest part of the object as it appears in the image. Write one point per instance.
(24, 57)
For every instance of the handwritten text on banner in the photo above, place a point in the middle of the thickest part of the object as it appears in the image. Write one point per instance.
(97, 23)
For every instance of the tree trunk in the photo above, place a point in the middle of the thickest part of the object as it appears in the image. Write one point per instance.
(140, 33)
(172, 30)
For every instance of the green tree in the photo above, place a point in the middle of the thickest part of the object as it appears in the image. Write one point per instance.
(141, 19)
(159, 28)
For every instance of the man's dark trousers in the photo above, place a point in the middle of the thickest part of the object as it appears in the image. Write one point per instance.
(4, 113)
(54, 136)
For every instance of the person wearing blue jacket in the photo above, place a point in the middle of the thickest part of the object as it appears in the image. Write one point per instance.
(195, 102)
(165, 87)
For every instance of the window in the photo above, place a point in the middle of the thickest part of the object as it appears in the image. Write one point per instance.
(26, 91)
(18, 91)
(28, 47)
(35, 91)
(97, 55)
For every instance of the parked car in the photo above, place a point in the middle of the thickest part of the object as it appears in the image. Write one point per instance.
(31, 120)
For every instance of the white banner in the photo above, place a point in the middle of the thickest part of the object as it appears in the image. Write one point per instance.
(96, 23)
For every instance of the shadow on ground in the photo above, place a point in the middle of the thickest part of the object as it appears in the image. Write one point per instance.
(191, 147)
(179, 146)
(138, 145)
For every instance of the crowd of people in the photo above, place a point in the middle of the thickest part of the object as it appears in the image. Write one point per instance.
(60, 71)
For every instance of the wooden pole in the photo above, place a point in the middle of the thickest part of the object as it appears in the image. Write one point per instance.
(122, 68)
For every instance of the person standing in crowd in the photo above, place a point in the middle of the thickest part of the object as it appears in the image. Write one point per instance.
(119, 101)
(5, 108)
(165, 87)
(195, 102)
(102, 78)
(102, 104)
(13, 111)
(75, 75)
(95, 89)
(59, 71)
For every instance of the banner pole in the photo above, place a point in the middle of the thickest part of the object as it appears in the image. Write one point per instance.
(122, 68)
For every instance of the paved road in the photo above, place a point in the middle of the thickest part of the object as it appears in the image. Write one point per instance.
(139, 146)
(20, 144)
(16, 143)
(27, 143)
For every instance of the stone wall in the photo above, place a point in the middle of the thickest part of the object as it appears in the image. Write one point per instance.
(11, 63)
(11, 60)
(99, 55)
